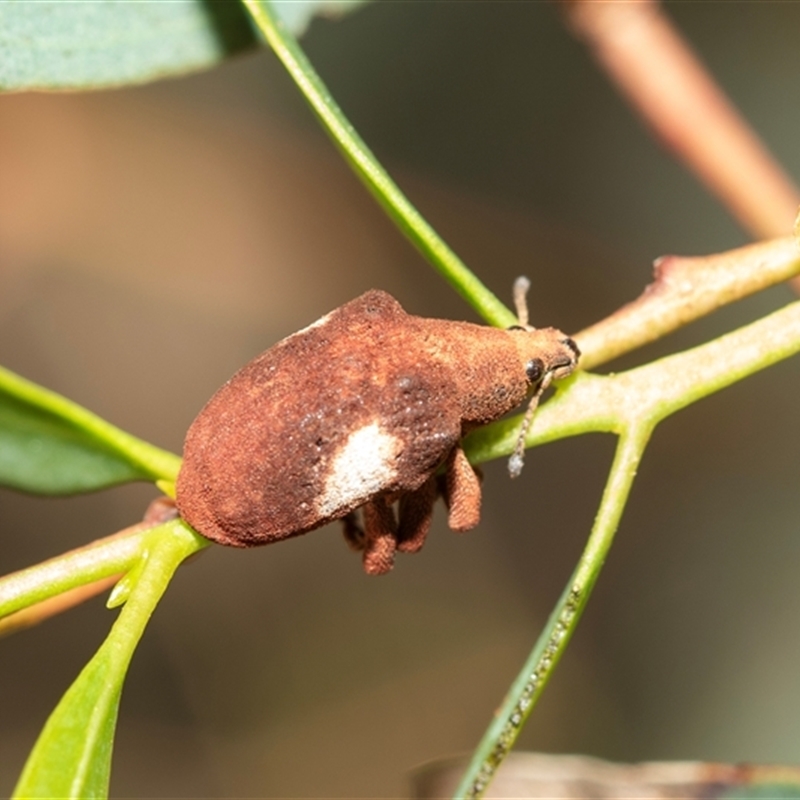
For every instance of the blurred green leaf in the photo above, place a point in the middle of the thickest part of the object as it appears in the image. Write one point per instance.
(763, 791)
(72, 757)
(50, 445)
(53, 44)
(41, 453)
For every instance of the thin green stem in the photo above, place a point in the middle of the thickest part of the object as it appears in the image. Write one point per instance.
(109, 556)
(113, 555)
(369, 170)
(529, 684)
(680, 380)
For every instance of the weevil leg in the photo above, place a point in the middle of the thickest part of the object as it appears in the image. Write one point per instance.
(380, 533)
(415, 515)
(353, 532)
(462, 492)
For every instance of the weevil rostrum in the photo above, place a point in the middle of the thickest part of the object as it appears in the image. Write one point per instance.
(360, 410)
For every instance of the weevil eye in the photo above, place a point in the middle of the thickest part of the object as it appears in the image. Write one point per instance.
(516, 328)
(534, 369)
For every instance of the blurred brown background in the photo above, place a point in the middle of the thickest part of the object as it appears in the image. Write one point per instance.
(152, 240)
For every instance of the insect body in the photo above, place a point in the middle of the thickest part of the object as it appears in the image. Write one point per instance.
(359, 410)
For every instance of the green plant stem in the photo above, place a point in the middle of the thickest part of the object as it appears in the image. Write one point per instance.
(111, 555)
(72, 757)
(369, 170)
(39, 612)
(529, 684)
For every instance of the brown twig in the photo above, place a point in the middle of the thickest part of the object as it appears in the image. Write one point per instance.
(685, 289)
(656, 70)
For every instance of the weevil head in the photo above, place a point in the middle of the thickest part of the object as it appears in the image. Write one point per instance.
(546, 354)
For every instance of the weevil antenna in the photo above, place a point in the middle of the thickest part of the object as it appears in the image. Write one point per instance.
(521, 286)
(517, 460)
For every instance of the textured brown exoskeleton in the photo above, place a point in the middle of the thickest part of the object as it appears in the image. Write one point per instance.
(359, 410)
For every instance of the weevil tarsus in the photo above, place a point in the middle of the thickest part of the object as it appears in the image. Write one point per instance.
(380, 528)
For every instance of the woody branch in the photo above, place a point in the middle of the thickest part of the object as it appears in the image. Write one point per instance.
(656, 71)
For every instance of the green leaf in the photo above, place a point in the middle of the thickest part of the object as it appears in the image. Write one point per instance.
(50, 445)
(72, 757)
(54, 44)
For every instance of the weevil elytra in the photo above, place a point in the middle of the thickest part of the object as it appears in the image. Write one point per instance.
(358, 411)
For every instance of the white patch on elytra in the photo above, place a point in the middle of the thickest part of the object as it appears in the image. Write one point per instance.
(364, 465)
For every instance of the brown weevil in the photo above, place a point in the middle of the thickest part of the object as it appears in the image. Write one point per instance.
(358, 411)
